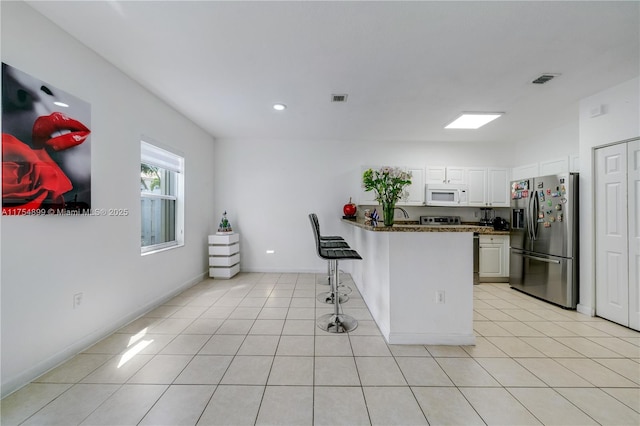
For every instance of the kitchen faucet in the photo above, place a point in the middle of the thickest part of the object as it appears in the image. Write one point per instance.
(404, 212)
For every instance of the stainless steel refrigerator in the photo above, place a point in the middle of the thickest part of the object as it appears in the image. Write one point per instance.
(544, 238)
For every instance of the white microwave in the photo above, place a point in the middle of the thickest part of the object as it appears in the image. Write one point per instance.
(446, 195)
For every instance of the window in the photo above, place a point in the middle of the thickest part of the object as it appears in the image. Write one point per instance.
(161, 198)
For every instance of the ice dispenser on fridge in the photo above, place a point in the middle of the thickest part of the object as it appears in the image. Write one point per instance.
(517, 219)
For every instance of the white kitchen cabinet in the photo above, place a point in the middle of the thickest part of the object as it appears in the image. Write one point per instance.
(488, 186)
(566, 164)
(416, 189)
(477, 193)
(498, 187)
(554, 166)
(224, 255)
(525, 172)
(494, 257)
(450, 174)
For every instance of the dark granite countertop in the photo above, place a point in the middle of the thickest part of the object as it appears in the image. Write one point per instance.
(414, 226)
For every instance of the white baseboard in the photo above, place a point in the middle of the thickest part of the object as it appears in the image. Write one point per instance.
(586, 310)
(431, 339)
(282, 270)
(24, 378)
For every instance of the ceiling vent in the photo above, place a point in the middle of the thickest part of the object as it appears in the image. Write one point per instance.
(544, 78)
(339, 98)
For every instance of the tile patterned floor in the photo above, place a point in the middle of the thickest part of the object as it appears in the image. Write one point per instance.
(246, 351)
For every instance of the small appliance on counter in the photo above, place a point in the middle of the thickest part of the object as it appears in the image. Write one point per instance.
(487, 216)
(499, 224)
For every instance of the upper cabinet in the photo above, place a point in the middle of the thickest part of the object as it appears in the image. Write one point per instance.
(488, 186)
(415, 190)
(570, 163)
(498, 187)
(526, 171)
(555, 166)
(442, 174)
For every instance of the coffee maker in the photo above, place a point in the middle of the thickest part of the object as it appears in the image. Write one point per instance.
(487, 215)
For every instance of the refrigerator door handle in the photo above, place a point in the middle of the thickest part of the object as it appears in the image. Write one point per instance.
(541, 259)
(530, 218)
(534, 215)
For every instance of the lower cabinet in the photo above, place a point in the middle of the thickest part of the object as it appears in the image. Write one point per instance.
(224, 255)
(494, 258)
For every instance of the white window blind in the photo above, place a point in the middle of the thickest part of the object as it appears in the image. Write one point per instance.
(154, 156)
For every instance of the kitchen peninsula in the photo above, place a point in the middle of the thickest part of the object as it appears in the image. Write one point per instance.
(417, 280)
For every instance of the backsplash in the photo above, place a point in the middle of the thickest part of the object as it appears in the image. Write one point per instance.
(467, 214)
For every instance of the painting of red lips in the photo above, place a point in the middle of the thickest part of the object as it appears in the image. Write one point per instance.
(46, 148)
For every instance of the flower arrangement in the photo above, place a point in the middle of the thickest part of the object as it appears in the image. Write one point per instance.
(389, 185)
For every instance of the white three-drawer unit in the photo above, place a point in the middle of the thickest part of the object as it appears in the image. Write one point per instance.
(224, 255)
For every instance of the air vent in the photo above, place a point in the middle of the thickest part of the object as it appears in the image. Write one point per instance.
(339, 98)
(544, 78)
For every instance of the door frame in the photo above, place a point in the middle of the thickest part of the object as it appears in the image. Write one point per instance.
(594, 165)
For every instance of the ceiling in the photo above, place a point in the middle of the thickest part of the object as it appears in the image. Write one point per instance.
(408, 67)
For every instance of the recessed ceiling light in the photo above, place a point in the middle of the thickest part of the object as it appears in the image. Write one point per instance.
(473, 120)
(279, 107)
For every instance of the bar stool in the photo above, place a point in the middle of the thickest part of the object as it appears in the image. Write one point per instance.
(336, 322)
(326, 238)
(330, 242)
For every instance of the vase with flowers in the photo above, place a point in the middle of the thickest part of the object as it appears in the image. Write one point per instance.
(389, 185)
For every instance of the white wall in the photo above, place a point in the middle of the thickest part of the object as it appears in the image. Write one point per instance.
(269, 187)
(620, 122)
(45, 260)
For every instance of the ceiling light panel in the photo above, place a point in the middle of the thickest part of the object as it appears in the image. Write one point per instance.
(473, 120)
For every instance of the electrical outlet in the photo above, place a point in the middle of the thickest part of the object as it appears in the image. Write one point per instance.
(77, 300)
(439, 296)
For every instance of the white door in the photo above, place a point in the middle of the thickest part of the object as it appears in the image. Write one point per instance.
(490, 258)
(416, 190)
(457, 175)
(633, 203)
(498, 187)
(612, 279)
(436, 174)
(477, 194)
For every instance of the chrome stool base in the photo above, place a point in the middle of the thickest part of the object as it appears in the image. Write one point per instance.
(329, 298)
(340, 323)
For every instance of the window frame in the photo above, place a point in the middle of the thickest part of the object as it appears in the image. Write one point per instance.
(154, 154)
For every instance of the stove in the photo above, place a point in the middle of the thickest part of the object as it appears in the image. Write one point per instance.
(440, 220)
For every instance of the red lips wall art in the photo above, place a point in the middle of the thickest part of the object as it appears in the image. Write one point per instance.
(46, 156)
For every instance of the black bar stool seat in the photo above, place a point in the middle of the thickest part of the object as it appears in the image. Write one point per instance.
(324, 240)
(336, 322)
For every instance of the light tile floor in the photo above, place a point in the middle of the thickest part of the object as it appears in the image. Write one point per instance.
(247, 351)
